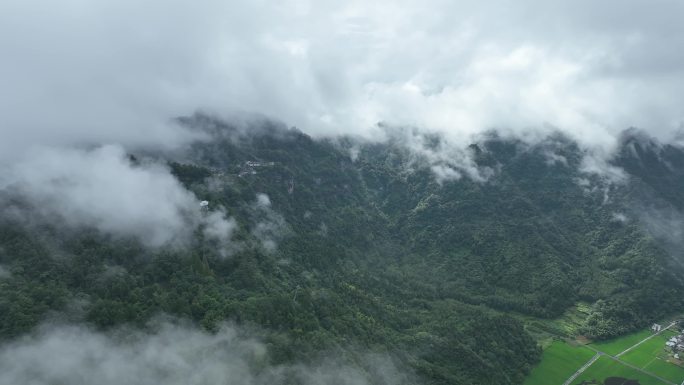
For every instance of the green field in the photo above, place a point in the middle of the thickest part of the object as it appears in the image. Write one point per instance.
(646, 352)
(618, 345)
(666, 370)
(606, 367)
(559, 362)
(652, 357)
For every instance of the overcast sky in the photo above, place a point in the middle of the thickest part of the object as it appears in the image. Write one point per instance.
(114, 73)
(117, 71)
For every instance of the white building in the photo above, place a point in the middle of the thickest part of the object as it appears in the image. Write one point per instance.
(252, 163)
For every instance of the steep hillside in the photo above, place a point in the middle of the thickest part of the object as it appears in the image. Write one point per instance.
(336, 252)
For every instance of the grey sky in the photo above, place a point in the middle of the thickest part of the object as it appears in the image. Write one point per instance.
(116, 71)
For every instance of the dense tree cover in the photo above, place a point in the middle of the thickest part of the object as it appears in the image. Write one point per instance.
(373, 252)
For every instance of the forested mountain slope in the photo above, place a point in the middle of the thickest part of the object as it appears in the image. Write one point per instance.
(342, 243)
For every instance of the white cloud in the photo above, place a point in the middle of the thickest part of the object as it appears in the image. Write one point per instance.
(596, 163)
(218, 226)
(269, 226)
(172, 355)
(118, 70)
(101, 188)
(263, 200)
(620, 217)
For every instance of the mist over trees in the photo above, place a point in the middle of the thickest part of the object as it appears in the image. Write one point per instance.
(457, 175)
(373, 255)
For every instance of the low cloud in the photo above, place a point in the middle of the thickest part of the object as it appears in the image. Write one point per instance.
(171, 355)
(263, 201)
(74, 75)
(4, 273)
(666, 224)
(270, 227)
(620, 217)
(597, 163)
(447, 160)
(218, 227)
(104, 189)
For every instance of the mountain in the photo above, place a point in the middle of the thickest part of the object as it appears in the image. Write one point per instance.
(344, 244)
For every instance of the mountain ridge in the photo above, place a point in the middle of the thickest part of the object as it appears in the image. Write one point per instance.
(359, 242)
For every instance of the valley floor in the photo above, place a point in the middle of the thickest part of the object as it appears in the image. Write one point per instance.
(639, 358)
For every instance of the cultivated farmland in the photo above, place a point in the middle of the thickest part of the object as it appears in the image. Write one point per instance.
(559, 361)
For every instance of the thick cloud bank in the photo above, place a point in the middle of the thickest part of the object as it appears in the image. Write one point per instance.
(117, 71)
(102, 188)
(172, 355)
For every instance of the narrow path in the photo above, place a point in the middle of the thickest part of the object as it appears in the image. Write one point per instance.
(645, 339)
(583, 368)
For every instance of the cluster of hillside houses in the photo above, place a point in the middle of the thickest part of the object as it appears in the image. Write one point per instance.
(251, 163)
(249, 167)
(676, 342)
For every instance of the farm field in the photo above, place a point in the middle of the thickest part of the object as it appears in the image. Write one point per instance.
(606, 367)
(617, 345)
(646, 352)
(666, 370)
(651, 357)
(566, 325)
(559, 361)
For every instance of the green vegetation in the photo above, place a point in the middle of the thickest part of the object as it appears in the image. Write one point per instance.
(666, 370)
(559, 361)
(377, 254)
(567, 325)
(646, 352)
(606, 367)
(652, 357)
(618, 345)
